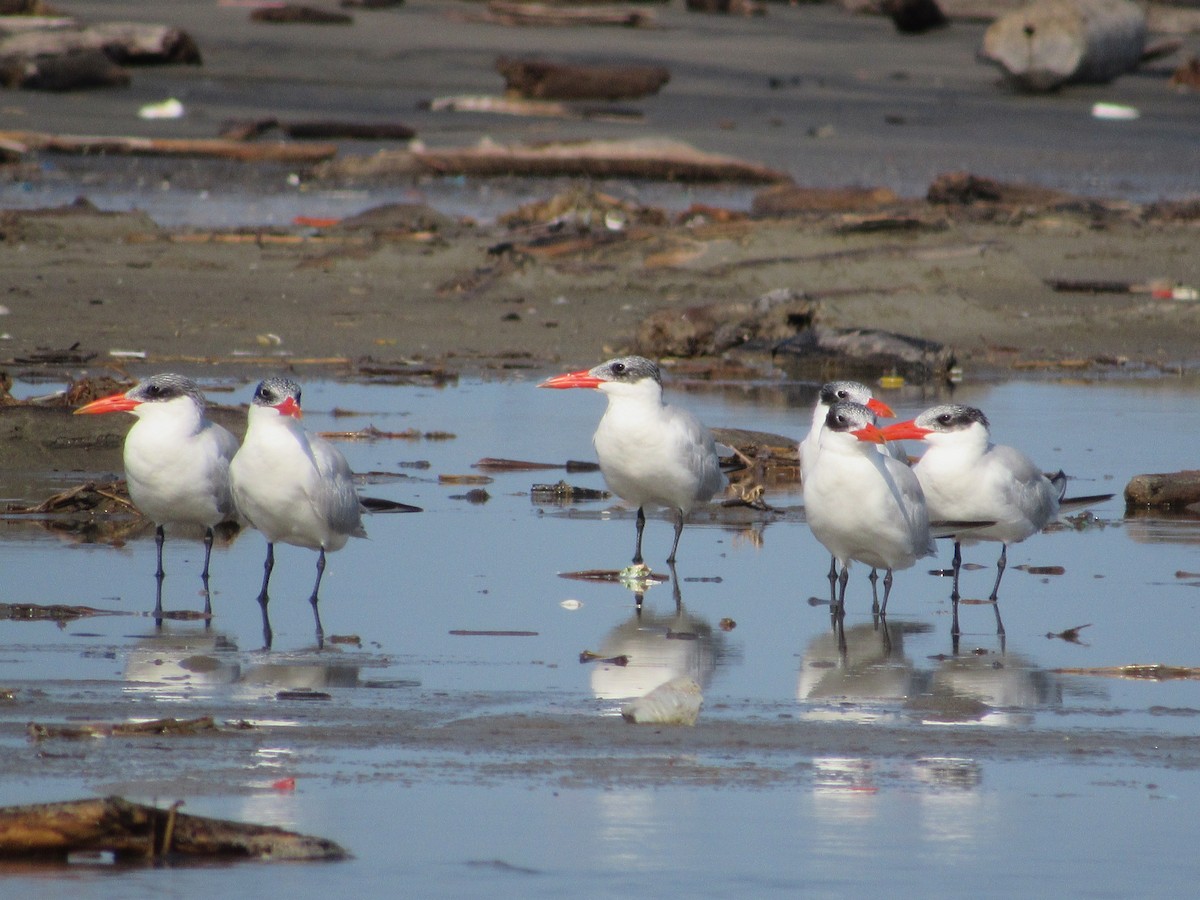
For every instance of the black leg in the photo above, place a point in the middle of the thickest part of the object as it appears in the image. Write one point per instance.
(676, 589)
(268, 565)
(1000, 564)
(208, 542)
(158, 578)
(263, 599)
(637, 547)
(874, 579)
(678, 533)
(842, 579)
(957, 565)
(158, 543)
(315, 599)
(833, 576)
(887, 590)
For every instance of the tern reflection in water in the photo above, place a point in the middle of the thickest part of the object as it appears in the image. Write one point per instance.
(656, 648)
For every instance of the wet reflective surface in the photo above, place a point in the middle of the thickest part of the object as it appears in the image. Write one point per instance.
(451, 736)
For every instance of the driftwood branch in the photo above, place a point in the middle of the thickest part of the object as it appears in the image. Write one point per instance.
(215, 148)
(133, 831)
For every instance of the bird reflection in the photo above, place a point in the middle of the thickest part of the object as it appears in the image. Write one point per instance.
(652, 648)
(172, 662)
(863, 663)
(990, 688)
(175, 661)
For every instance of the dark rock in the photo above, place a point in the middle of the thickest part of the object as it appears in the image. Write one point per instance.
(829, 352)
(715, 327)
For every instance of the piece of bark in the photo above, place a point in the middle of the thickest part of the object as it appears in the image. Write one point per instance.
(712, 328)
(794, 199)
(516, 13)
(727, 7)
(1172, 490)
(963, 188)
(359, 131)
(135, 831)
(1187, 75)
(75, 70)
(126, 43)
(827, 352)
(293, 14)
(1055, 42)
(214, 148)
(915, 16)
(542, 79)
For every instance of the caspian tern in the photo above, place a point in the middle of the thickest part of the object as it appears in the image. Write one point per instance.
(864, 505)
(834, 392)
(292, 486)
(651, 453)
(176, 460)
(966, 477)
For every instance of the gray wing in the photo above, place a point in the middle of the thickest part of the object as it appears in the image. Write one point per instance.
(336, 498)
(227, 448)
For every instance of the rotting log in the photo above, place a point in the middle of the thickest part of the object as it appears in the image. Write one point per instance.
(135, 831)
(215, 148)
(126, 43)
(542, 79)
(1055, 42)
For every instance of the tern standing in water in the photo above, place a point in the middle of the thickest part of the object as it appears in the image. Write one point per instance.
(292, 486)
(176, 460)
(651, 453)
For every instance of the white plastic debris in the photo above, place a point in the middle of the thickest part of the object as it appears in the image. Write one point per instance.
(572, 605)
(676, 702)
(167, 109)
(127, 354)
(1115, 112)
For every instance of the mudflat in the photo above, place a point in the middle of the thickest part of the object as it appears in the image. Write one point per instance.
(829, 98)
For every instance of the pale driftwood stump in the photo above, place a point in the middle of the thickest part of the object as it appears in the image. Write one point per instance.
(1055, 42)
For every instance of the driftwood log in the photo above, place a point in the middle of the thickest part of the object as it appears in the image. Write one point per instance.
(511, 12)
(75, 70)
(541, 79)
(652, 159)
(1055, 42)
(134, 831)
(126, 43)
(214, 148)
(1173, 490)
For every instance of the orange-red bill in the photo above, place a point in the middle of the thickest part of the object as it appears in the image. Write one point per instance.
(289, 407)
(110, 404)
(581, 379)
(880, 408)
(872, 433)
(904, 431)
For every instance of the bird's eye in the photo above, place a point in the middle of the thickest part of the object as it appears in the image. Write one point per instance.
(843, 395)
(618, 368)
(945, 418)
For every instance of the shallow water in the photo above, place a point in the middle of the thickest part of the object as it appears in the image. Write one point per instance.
(999, 821)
